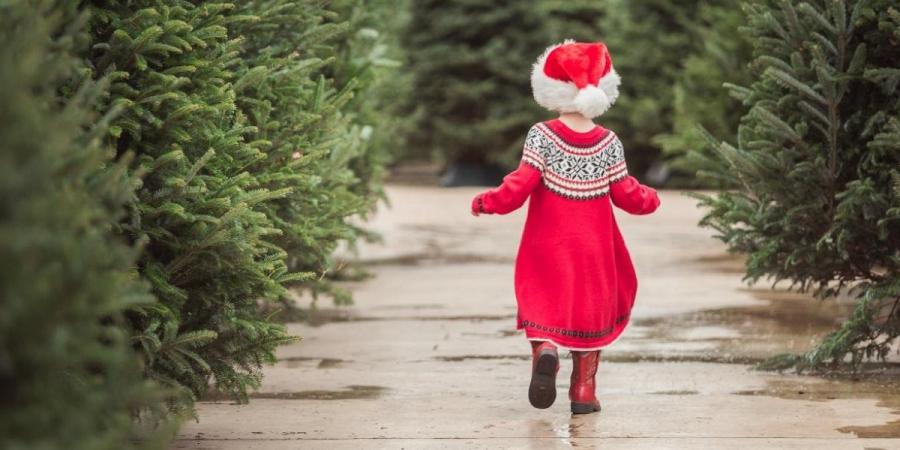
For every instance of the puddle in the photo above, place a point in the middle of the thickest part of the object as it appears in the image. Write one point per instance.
(503, 333)
(707, 357)
(323, 363)
(316, 316)
(781, 322)
(612, 357)
(437, 258)
(461, 358)
(328, 363)
(566, 431)
(323, 316)
(412, 307)
(353, 392)
(883, 387)
(674, 393)
(888, 430)
(722, 262)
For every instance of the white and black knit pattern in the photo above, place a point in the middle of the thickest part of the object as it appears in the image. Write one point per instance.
(575, 172)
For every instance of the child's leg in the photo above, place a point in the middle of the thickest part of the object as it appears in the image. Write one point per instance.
(582, 391)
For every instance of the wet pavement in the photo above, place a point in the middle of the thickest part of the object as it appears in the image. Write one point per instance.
(428, 357)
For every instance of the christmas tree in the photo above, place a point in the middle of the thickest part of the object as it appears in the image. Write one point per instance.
(70, 377)
(816, 165)
(207, 251)
(302, 75)
(253, 163)
(470, 65)
(580, 20)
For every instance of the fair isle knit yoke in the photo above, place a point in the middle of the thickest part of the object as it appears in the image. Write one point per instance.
(579, 172)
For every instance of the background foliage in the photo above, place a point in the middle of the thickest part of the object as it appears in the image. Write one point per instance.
(470, 78)
(470, 75)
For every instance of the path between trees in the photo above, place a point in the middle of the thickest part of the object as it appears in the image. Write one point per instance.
(428, 356)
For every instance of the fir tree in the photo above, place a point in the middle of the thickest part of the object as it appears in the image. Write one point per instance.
(471, 62)
(297, 88)
(70, 377)
(816, 164)
(200, 211)
(253, 161)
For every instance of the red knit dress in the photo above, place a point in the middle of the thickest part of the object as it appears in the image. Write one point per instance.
(575, 283)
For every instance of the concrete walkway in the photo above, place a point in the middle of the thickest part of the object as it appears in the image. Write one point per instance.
(429, 358)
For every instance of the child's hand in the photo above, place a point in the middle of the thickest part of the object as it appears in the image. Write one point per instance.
(477, 206)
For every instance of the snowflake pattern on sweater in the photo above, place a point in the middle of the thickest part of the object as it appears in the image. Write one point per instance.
(572, 171)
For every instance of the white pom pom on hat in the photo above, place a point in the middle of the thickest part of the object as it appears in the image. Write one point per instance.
(575, 77)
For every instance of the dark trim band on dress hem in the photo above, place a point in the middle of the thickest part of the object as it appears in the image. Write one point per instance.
(581, 334)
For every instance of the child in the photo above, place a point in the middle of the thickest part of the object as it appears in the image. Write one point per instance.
(574, 280)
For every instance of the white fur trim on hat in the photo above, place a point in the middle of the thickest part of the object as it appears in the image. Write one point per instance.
(564, 96)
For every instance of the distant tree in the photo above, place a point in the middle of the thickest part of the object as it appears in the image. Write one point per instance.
(649, 41)
(701, 103)
(673, 58)
(817, 165)
(581, 20)
(470, 63)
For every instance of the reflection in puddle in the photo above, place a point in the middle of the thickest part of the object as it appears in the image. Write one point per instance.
(564, 431)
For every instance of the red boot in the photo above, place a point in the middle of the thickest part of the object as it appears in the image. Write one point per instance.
(582, 390)
(545, 365)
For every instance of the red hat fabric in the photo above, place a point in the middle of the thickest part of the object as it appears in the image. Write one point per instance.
(576, 77)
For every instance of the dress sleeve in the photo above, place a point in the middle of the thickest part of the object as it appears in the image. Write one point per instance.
(624, 190)
(517, 185)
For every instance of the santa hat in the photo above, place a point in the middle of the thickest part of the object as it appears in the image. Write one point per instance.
(575, 77)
